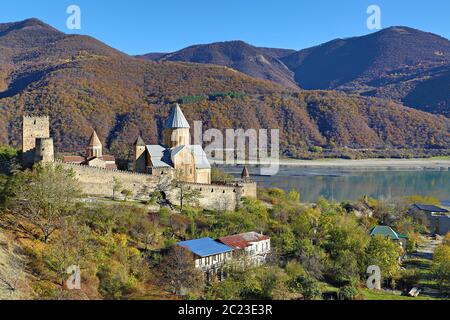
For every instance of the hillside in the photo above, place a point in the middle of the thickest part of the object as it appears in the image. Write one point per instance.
(83, 84)
(261, 63)
(397, 63)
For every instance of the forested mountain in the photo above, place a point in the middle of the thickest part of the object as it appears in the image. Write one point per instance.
(262, 63)
(84, 84)
(398, 63)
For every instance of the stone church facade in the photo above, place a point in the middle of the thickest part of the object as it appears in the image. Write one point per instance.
(153, 165)
(176, 156)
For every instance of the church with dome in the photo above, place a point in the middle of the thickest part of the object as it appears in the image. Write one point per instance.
(176, 156)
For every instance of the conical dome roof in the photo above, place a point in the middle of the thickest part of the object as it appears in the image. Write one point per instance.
(94, 141)
(176, 119)
(245, 174)
(139, 142)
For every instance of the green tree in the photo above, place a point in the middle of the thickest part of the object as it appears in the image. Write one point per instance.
(186, 195)
(385, 253)
(220, 176)
(307, 286)
(441, 267)
(346, 244)
(38, 200)
(126, 194)
(348, 292)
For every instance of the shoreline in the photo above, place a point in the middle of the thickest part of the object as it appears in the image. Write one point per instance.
(412, 164)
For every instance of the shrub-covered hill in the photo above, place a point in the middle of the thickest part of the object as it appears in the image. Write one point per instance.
(83, 84)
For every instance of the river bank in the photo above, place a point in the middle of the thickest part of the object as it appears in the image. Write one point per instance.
(406, 164)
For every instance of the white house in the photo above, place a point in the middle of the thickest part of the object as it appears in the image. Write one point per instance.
(254, 246)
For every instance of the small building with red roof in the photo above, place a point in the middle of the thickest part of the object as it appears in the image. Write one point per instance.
(252, 245)
(94, 156)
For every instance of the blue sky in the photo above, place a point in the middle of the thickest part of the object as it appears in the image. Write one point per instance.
(141, 26)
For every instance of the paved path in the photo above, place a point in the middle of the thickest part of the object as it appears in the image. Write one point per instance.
(426, 250)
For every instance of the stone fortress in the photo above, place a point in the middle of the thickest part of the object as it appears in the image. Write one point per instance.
(169, 168)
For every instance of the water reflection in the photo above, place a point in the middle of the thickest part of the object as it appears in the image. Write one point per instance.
(342, 185)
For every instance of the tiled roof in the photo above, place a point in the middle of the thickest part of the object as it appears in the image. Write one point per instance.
(94, 141)
(205, 247)
(244, 240)
(176, 119)
(431, 208)
(108, 158)
(73, 159)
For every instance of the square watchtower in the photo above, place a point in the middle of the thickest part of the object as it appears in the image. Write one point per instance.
(33, 128)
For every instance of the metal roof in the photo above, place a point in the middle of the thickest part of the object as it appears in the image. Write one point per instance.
(160, 156)
(431, 208)
(201, 160)
(243, 240)
(176, 119)
(384, 231)
(205, 247)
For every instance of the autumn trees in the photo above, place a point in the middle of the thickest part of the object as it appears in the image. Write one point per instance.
(38, 201)
(441, 264)
(178, 271)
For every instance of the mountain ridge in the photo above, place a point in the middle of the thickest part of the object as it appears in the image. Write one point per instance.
(85, 84)
(394, 63)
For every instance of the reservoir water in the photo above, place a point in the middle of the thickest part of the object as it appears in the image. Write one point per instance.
(349, 184)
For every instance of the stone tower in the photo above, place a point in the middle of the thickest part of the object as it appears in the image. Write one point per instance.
(176, 129)
(32, 129)
(139, 156)
(44, 150)
(94, 148)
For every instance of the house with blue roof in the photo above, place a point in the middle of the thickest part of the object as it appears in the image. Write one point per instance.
(209, 255)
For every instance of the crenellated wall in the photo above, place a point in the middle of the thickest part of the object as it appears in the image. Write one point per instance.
(33, 128)
(99, 182)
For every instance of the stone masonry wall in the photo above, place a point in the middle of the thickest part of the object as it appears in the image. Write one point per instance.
(32, 128)
(99, 182)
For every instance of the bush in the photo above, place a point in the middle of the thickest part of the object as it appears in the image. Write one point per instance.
(348, 292)
(307, 286)
(115, 282)
(277, 193)
(316, 149)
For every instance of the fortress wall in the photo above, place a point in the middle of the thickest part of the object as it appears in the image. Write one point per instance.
(99, 182)
(33, 128)
(223, 197)
(250, 190)
(216, 197)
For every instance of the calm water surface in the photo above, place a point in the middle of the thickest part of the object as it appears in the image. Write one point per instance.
(339, 185)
